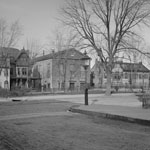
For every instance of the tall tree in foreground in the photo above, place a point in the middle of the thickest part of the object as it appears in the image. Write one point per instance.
(107, 25)
(9, 33)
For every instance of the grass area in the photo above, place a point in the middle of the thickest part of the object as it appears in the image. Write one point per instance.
(75, 132)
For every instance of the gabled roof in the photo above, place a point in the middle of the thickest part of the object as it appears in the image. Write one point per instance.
(9, 52)
(21, 52)
(69, 54)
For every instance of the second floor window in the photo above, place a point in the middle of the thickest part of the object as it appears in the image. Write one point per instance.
(18, 71)
(24, 71)
(6, 72)
(72, 67)
(11, 71)
(126, 75)
(62, 69)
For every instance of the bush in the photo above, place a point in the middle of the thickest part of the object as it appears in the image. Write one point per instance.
(19, 91)
(4, 92)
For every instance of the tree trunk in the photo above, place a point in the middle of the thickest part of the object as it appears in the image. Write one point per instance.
(108, 85)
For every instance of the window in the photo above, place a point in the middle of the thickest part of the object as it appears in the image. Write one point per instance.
(59, 85)
(117, 76)
(140, 76)
(6, 72)
(24, 71)
(48, 70)
(48, 73)
(145, 76)
(82, 68)
(18, 71)
(6, 84)
(82, 71)
(72, 86)
(62, 85)
(72, 67)
(11, 71)
(126, 75)
(61, 68)
(134, 76)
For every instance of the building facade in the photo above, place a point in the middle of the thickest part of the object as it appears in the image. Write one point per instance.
(63, 70)
(123, 75)
(4, 73)
(15, 68)
(19, 70)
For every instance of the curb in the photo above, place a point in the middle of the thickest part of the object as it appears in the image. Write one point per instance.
(75, 109)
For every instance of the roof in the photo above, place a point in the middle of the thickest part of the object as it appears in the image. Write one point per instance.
(127, 67)
(69, 54)
(138, 67)
(21, 52)
(10, 52)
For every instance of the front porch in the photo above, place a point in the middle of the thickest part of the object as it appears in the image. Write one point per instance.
(29, 82)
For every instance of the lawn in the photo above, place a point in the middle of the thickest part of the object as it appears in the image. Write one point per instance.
(75, 132)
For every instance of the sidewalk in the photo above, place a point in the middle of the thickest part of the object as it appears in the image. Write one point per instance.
(125, 107)
(125, 113)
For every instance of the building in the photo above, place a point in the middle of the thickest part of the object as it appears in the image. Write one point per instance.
(123, 75)
(4, 73)
(62, 70)
(15, 68)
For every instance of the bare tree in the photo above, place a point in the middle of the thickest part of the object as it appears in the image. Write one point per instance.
(107, 25)
(9, 33)
(34, 47)
(66, 39)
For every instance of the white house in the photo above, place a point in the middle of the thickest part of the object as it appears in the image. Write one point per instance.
(4, 73)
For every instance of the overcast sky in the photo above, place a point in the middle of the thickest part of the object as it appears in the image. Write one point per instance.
(38, 17)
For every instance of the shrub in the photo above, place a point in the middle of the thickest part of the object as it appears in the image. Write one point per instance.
(19, 91)
(4, 92)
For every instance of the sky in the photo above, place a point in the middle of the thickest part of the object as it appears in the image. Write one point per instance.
(37, 17)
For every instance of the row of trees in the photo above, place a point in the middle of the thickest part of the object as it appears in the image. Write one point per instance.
(9, 33)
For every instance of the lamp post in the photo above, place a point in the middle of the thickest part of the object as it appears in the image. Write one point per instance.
(86, 65)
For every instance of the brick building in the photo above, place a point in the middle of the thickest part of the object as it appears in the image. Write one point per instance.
(62, 70)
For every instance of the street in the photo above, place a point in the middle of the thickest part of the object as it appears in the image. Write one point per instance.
(47, 125)
(124, 99)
